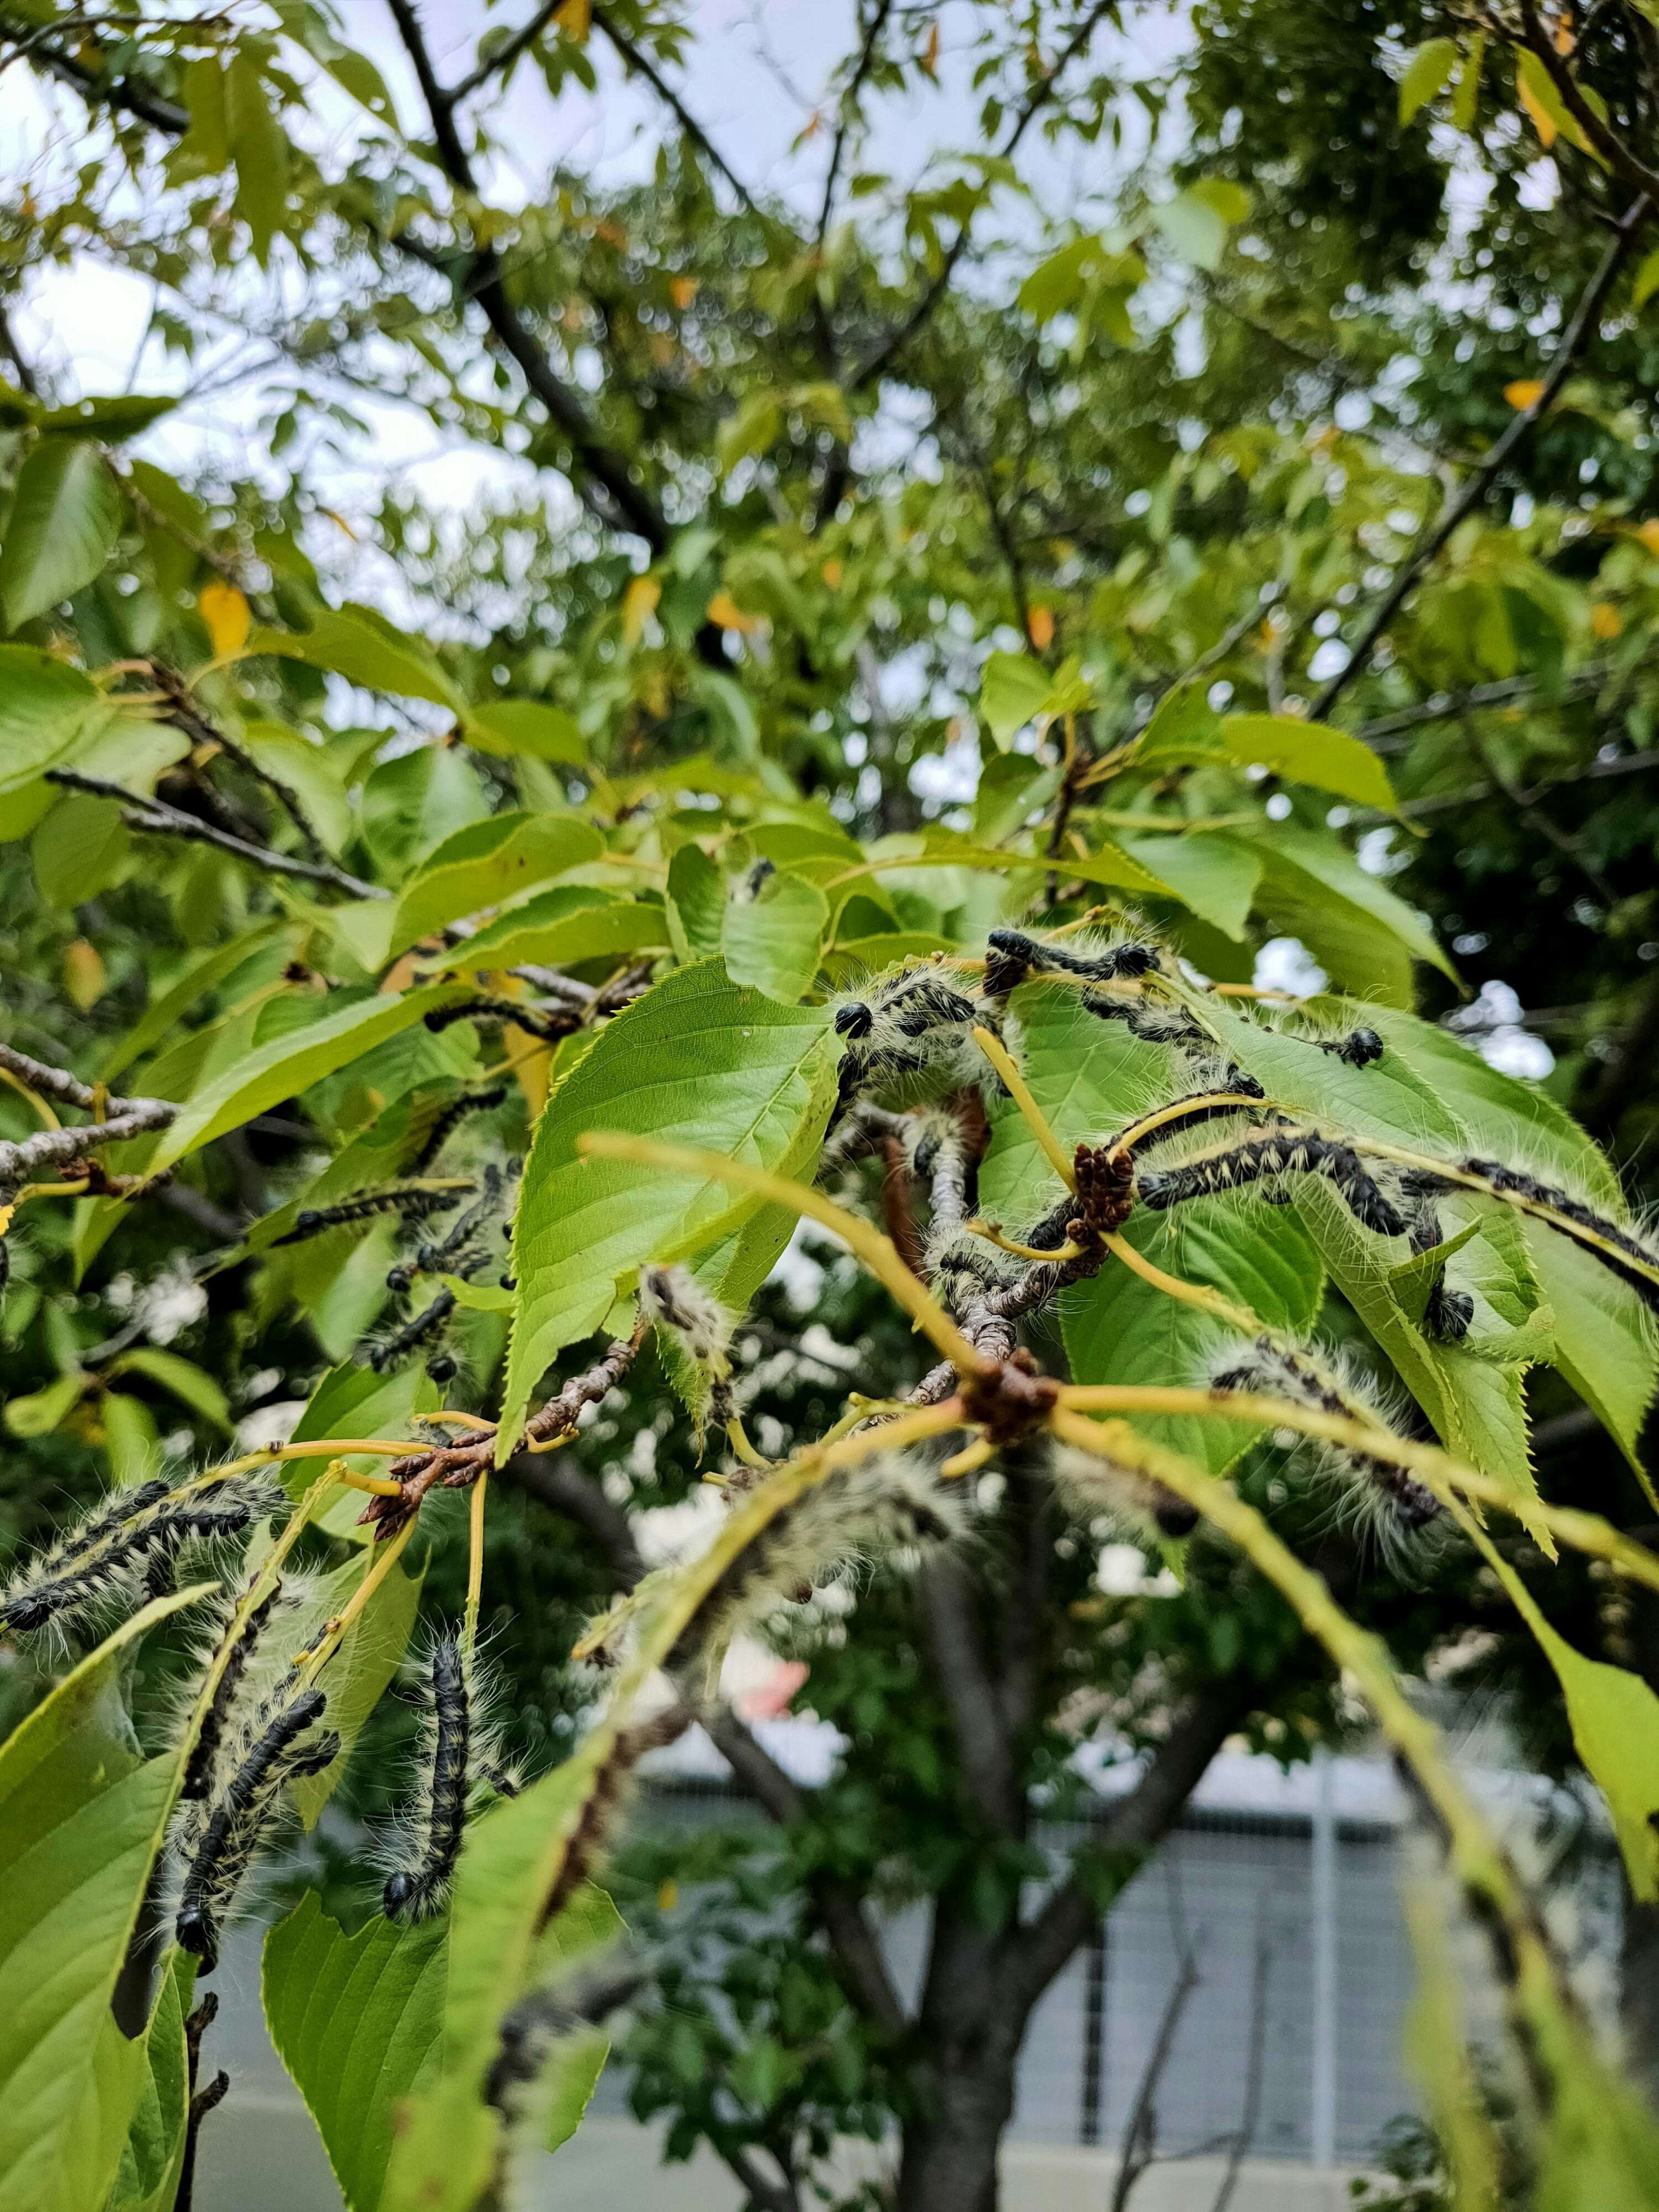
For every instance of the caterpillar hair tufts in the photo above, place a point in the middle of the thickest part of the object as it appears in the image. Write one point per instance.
(241, 1811)
(457, 1111)
(137, 1534)
(1267, 1158)
(409, 1200)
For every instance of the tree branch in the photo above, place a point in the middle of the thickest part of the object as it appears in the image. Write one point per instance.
(641, 63)
(944, 1594)
(848, 108)
(1433, 540)
(604, 480)
(896, 341)
(55, 1148)
(555, 1482)
(601, 475)
(1036, 1953)
(504, 55)
(154, 817)
(189, 717)
(1635, 173)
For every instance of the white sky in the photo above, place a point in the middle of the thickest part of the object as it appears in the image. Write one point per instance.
(85, 324)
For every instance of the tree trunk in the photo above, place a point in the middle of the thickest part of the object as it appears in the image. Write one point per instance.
(949, 2160)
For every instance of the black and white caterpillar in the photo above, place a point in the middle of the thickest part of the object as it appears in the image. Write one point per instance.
(242, 1807)
(547, 2017)
(1394, 1502)
(202, 1773)
(412, 1200)
(1266, 1157)
(1621, 1251)
(457, 1111)
(911, 1025)
(457, 1754)
(1010, 956)
(549, 1023)
(129, 1546)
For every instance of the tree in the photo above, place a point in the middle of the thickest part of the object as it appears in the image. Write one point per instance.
(640, 840)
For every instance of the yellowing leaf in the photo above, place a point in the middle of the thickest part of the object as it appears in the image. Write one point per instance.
(724, 609)
(83, 974)
(1039, 624)
(1648, 531)
(930, 52)
(832, 573)
(1606, 621)
(1525, 392)
(574, 18)
(1542, 121)
(639, 604)
(682, 290)
(224, 612)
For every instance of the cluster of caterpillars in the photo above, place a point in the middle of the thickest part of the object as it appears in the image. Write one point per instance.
(461, 1250)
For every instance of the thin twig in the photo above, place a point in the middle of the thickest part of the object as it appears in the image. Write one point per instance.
(504, 55)
(641, 64)
(848, 112)
(1431, 541)
(154, 817)
(1140, 2137)
(895, 343)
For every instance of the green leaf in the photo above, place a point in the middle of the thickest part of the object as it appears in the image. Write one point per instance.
(41, 1412)
(1354, 926)
(1014, 689)
(1184, 728)
(696, 902)
(357, 2020)
(1194, 228)
(559, 929)
(1310, 753)
(697, 1060)
(354, 1402)
(1614, 1717)
(1605, 1344)
(79, 850)
(259, 147)
(364, 647)
(358, 1675)
(412, 803)
(486, 864)
(1646, 281)
(82, 1813)
(198, 978)
(131, 1439)
(1215, 878)
(46, 708)
(1119, 1329)
(112, 417)
(189, 1384)
(773, 940)
(65, 517)
(153, 2156)
(1426, 73)
(526, 727)
(291, 1064)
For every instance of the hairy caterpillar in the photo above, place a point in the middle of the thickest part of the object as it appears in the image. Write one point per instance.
(545, 2017)
(1399, 1503)
(1145, 1509)
(1614, 1245)
(204, 1759)
(457, 1751)
(409, 1200)
(1011, 957)
(420, 1330)
(139, 1532)
(470, 1101)
(886, 1505)
(1277, 1152)
(674, 1300)
(241, 1810)
(914, 1024)
(549, 1023)
(1359, 1048)
(1154, 1021)
(417, 1890)
(433, 1257)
